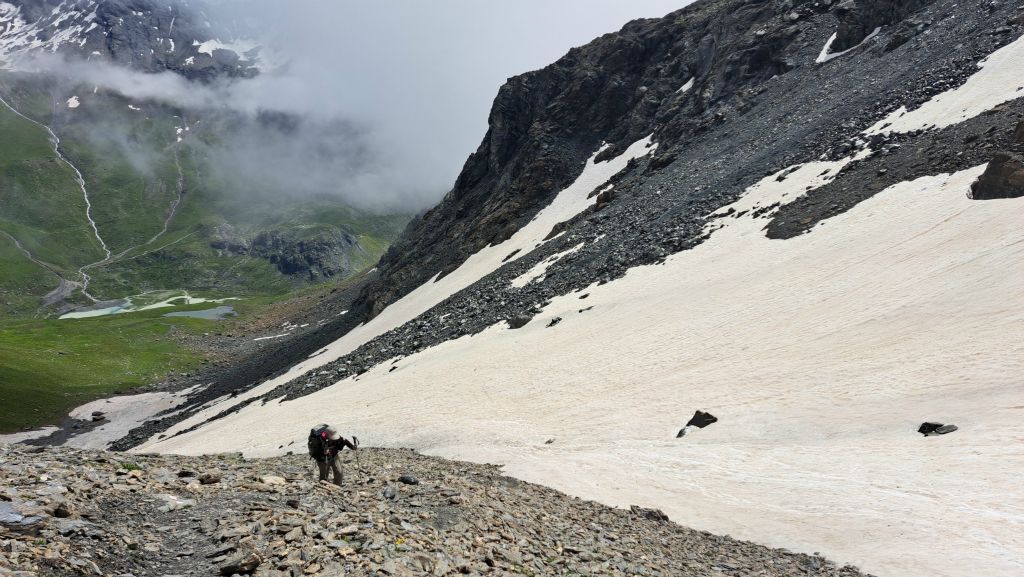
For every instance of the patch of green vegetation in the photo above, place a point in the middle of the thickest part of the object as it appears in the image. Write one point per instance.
(128, 159)
(42, 205)
(21, 281)
(48, 367)
(129, 466)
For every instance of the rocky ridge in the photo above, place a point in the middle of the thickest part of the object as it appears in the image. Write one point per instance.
(66, 512)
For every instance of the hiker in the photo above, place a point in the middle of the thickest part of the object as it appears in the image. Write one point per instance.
(325, 446)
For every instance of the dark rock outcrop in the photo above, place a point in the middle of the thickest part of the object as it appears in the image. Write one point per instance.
(519, 322)
(324, 255)
(1004, 178)
(859, 18)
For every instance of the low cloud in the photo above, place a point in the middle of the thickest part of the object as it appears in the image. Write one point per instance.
(385, 99)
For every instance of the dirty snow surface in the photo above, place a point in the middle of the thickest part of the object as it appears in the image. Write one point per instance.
(820, 355)
(123, 414)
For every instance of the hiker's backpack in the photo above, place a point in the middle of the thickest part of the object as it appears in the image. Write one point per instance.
(317, 443)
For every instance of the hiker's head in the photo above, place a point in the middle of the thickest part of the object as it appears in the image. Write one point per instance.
(332, 434)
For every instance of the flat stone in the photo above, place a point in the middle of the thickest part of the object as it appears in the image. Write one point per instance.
(243, 563)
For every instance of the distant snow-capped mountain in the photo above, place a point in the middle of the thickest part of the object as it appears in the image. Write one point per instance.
(146, 35)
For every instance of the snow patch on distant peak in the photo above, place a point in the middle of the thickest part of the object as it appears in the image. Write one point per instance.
(64, 25)
(686, 87)
(240, 46)
(73, 102)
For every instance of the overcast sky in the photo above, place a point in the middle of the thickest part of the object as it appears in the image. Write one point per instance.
(419, 75)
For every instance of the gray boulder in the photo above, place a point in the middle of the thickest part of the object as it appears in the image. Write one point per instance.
(1004, 178)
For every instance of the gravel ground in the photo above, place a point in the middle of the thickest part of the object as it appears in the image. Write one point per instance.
(65, 512)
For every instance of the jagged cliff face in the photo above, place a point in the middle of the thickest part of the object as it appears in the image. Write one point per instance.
(147, 35)
(678, 78)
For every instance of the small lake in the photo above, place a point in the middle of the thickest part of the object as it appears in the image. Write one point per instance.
(214, 314)
(145, 302)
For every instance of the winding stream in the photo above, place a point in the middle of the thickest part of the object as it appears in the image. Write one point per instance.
(66, 287)
(55, 141)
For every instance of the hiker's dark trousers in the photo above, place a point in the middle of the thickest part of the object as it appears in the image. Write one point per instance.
(334, 464)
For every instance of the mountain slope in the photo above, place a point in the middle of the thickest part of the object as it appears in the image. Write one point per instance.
(757, 209)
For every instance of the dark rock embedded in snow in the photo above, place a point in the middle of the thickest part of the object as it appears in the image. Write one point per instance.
(699, 420)
(1004, 178)
(518, 322)
(933, 429)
